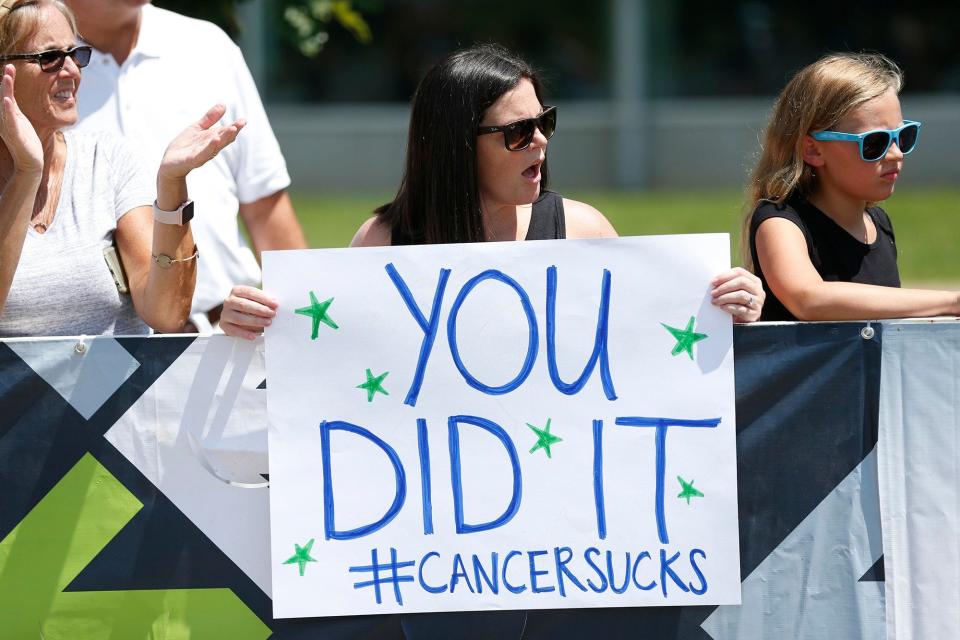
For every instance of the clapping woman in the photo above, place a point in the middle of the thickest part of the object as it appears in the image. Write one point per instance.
(66, 199)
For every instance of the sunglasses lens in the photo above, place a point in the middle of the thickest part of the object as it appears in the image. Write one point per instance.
(519, 135)
(51, 60)
(548, 123)
(81, 55)
(875, 145)
(908, 138)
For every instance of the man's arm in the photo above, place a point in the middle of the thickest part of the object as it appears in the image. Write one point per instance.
(272, 223)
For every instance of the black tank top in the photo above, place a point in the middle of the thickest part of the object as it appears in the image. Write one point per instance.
(547, 222)
(835, 254)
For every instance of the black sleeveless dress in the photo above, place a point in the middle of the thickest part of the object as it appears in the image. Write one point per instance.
(547, 221)
(835, 254)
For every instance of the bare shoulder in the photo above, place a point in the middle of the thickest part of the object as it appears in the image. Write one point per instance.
(372, 233)
(583, 221)
(780, 232)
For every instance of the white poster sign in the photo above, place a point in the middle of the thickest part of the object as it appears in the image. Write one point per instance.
(501, 426)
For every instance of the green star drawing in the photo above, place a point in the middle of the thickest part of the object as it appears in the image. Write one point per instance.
(545, 439)
(302, 556)
(318, 313)
(688, 490)
(686, 338)
(374, 384)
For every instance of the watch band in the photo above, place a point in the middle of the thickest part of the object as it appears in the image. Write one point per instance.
(182, 215)
(165, 262)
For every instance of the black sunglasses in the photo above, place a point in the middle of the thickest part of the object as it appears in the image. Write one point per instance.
(52, 61)
(518, 135)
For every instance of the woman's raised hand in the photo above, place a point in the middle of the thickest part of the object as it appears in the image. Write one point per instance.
(197, 144)
(739, 293)
(16, 131)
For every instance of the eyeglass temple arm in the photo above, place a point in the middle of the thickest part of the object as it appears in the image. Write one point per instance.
(835, 135)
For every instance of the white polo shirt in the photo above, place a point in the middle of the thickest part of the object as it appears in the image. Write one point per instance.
(179, 69)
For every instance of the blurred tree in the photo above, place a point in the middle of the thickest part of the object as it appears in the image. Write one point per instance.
(306, 21)
(309, 18)
(220, 12)
(568, 44)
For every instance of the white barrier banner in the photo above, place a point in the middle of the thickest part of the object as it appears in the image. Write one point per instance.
(501, 425)
(919, 457)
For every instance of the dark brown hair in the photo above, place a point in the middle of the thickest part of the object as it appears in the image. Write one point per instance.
(438, 199)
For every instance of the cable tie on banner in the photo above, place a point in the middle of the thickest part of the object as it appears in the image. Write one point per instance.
(867, 332)
(81, 347)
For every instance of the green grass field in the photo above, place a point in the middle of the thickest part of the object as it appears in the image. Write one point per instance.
(927, 221)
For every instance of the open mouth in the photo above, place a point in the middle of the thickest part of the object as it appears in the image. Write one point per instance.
(63, 95)
(533, 171)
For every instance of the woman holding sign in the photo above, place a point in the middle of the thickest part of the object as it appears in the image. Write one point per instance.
(476, 165)
(476, 171)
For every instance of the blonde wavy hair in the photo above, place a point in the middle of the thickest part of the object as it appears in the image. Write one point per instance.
(815, 99)
(20, 19)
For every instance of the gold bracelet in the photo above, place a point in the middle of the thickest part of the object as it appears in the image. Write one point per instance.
(165, 262)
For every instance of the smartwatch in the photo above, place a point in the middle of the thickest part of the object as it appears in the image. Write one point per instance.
(182, 215)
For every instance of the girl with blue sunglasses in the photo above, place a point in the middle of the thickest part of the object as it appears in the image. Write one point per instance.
(834, 147)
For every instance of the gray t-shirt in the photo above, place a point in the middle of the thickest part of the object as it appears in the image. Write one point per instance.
(62, 286)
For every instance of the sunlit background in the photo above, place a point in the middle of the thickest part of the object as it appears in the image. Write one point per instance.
(661, 102)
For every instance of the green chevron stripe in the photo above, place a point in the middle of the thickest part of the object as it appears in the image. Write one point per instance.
(60, 536)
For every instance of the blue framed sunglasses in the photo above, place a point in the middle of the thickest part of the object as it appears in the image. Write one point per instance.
(875, 144)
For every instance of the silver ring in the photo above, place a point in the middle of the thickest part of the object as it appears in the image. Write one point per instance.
(750, 302)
